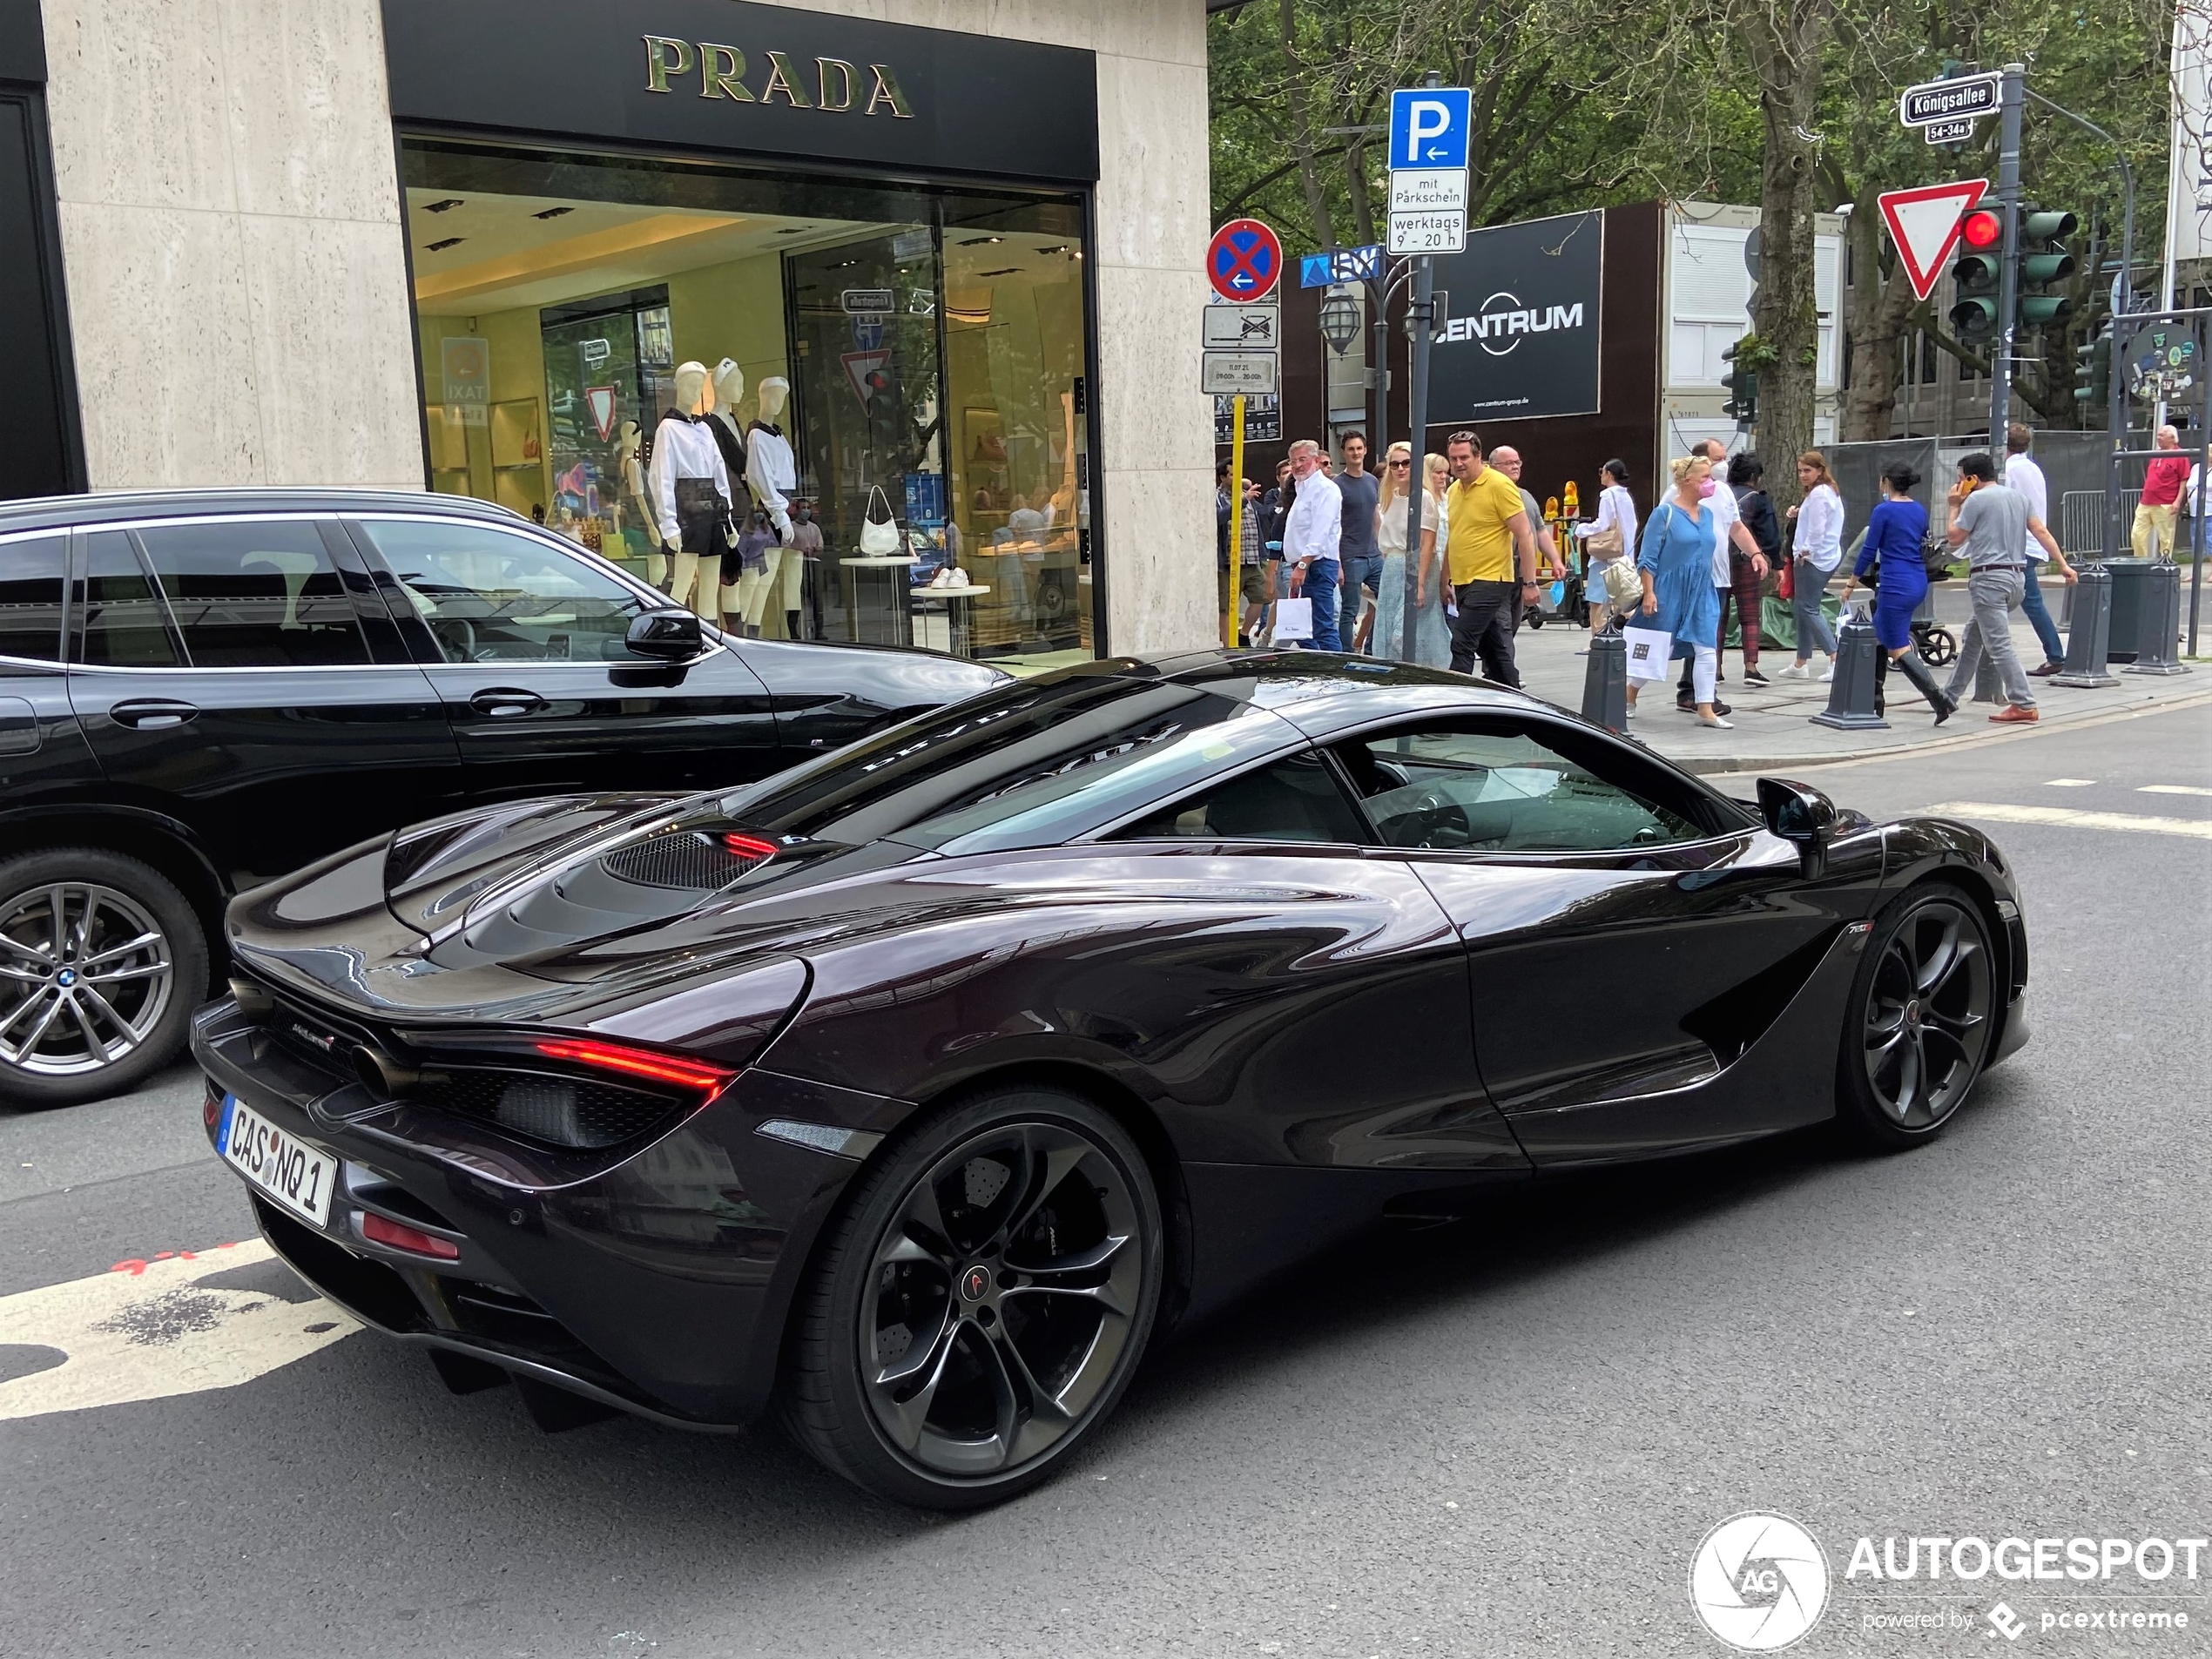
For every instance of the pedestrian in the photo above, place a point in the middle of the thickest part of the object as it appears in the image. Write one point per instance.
(2023, 475)
(1679, 598)
(1487, 536)
(1730, 538)
(1256, 572)
(1819, 550)
(1223, 507)
(1551, 562)
(1746, 483)
(1311, 536)
(1423, 572)
(1358, 557)
(1896, 531)
(1990, 520)
(2163, 482)
(1610, 536)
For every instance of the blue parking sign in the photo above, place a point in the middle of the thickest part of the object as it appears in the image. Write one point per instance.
(1429, 126)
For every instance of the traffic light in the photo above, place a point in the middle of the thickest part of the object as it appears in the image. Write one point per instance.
(2044, 260)
(2093, 372)
(1981, 241)
(1742, 384)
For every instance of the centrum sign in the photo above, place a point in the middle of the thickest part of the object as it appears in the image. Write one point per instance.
(1522, 341)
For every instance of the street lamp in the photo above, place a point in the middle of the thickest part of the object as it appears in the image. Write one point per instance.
(1339, 320)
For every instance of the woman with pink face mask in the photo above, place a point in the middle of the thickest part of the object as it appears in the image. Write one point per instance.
(1675, 560)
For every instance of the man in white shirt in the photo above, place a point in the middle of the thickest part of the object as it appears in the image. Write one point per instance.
(1727, 529)
(1311, 537)
(2023, 475)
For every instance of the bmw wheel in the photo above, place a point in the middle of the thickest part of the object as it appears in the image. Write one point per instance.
(982, 1303)
(102, 962)
(1922, 1012)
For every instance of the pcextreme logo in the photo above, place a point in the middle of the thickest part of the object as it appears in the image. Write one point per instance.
(1758, 1581)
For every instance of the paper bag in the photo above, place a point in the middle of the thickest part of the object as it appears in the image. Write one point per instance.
(1293, 620)
(1647, 652)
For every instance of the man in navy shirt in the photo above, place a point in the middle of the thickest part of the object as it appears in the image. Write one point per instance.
(1358, 553)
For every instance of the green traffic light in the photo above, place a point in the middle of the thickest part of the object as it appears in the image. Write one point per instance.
(1975, 270)
(2046, 268)
(2037, 309)
(2048, 227)
(1971, 319)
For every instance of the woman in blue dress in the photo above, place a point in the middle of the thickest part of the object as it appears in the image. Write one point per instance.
(1675, 560)
(1894, 535)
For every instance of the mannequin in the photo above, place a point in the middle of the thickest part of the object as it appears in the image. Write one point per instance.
(637, 495)
(772, 474)
(691, 493)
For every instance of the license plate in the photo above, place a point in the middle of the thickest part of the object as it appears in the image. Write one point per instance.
(288, 1170)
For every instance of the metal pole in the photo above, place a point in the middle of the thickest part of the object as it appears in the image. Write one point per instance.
(1236, 522)
(2009, 286)
(2203, 457)
(1422, 308)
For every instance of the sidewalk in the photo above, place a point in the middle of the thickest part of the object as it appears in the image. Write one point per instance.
(1773, 727)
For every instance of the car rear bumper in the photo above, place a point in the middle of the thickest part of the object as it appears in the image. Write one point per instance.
(659, 1284)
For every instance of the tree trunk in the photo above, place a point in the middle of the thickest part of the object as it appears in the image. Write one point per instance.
(1302, 145)
(1875, 310)
(1363, 207)
(1784, 39)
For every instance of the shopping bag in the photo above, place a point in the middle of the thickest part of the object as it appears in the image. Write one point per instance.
(1293, 620)
(1787, 587)
(1648, 650)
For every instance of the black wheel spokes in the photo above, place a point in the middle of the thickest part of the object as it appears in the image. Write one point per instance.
(1041, 1280)
(1927, 1015)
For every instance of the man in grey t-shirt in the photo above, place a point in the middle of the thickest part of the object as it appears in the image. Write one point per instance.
(1990, 520)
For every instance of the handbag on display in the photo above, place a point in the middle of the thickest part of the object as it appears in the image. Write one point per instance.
(878, 540)
(1649, 651)
(1785, 586)
(1293, 621)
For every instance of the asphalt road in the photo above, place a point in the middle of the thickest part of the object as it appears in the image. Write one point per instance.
(1504, 1437)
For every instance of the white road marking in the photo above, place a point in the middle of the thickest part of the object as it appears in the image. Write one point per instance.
(150, 1330)
(2171, 789)
(1998, 813)
(2067, 782)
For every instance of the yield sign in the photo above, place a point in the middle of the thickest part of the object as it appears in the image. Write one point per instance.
(1923, 223)
(602, 401)
(1244, 260)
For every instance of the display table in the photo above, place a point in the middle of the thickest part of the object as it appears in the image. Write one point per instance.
(878, 588)
(951, 632)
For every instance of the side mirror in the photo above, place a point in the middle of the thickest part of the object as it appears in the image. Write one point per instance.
(669, 634)
(1802, 816)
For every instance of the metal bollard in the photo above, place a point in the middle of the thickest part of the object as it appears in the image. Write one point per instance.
(1605, 682)
(2158, 630)
(2089, 640)
(1988, 687)
(1851, 695)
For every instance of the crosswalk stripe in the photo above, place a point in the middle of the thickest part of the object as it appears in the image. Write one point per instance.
(2171, 789)
(2067, 782)
(1999, 813)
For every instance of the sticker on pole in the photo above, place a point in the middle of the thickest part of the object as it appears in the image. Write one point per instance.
(1244, 260)
(1923, 223)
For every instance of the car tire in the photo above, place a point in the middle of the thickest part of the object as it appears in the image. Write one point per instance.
(136, 1003)
(1922, 1014)
(983, 1239)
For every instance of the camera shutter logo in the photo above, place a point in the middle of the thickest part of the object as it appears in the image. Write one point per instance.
(1759, 1582)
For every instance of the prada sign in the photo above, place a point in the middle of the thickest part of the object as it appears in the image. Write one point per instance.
(765, 80)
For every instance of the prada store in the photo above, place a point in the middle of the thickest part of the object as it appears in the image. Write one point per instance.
(835, 277)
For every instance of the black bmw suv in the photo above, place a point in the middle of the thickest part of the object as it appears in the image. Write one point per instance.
(200, 691)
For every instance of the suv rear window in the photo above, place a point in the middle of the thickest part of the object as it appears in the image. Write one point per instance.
(255, 593)
(31, 598)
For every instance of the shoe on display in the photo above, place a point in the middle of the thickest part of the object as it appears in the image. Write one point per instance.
(1796, 671)
(2012, 714)
(957, 579)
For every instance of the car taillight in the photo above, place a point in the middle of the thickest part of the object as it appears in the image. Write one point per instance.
(378, 1229)
(749, 846)
(646, 1063)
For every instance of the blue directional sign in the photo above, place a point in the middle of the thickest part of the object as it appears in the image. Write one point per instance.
(1313, 271)
(1429, 126)
(1363, 264)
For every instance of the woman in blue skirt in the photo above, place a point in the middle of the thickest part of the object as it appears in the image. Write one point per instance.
(1675, 560)
(1894, 535)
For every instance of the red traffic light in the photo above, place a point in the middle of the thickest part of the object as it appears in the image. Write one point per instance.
(1981, 228)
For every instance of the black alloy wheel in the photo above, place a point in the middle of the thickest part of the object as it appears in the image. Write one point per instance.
(980, 1304)
(1922, 1013)
(102, 962)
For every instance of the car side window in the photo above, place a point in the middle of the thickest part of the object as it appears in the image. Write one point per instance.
(254, 593)
(1511, 787)
(1295, 799)
(491, 596)
(31, 598)
(125, 623)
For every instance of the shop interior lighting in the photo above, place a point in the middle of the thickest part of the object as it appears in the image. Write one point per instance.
(1010, 270)
(552, 212)
(441, 206)
(440, 246)
(980, 241)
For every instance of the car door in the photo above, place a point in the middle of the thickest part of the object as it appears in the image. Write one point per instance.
(223, 672)
(44, 757)
(1628, 933)
(524, 640)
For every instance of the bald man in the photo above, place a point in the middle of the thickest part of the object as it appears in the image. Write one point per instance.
(2162, 483)
(1507, 459)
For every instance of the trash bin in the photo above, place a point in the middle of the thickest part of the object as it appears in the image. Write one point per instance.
(2130, 588)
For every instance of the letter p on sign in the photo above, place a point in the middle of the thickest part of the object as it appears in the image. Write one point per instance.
(1429, 126)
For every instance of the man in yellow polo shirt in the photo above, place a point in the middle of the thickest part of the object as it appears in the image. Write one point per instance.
(1487, 532)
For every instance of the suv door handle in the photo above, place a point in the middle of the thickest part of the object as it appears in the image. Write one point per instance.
(506, 702)
(152, 714)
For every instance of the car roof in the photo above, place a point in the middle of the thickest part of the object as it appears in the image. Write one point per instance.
(103, 507)
(1321, 691)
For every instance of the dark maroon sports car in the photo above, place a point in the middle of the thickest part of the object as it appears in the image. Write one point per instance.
(916, 1090)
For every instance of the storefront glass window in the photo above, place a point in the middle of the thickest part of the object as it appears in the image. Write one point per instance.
(922, 352)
